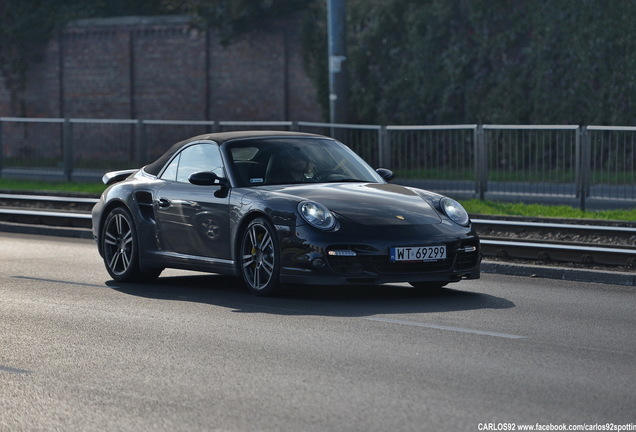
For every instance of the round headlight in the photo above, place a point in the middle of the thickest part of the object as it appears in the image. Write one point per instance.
(455, 211)
(317, 215)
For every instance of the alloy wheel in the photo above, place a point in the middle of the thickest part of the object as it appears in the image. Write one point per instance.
(259, 259)
(118, 244)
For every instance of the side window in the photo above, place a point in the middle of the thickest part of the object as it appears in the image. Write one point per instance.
(196, 158)
(171, 171)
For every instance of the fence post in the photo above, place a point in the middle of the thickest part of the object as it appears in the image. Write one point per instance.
(67, 149)
(583, 147)
(140, 142)
(384, 148)
(481, 162)
(1, 149)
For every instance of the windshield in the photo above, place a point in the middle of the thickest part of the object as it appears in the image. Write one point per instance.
(292, 160)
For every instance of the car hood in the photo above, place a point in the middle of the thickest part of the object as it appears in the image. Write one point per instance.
(369, 203)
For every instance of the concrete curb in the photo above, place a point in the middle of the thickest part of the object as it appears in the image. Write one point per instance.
(512, 269)
(562, 273)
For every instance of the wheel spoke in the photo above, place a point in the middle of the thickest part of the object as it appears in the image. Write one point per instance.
(118, 227)
(110, 239)
(256, 279)
(128, 238)
(268, 266)
(252, 235)
(267, 270)
(248, 260)
(113, 262)
(266, 242)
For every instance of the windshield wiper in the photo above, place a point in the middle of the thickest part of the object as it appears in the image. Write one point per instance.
(346, 180)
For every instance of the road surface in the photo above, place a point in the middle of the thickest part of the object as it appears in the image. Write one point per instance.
(196, 352)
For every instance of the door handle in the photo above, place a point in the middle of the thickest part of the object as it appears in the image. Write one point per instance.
(163, 203)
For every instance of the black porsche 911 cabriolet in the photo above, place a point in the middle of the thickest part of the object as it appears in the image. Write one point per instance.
(279, 208)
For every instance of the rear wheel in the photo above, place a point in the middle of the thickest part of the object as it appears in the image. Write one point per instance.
(260, 258)
(120, 248)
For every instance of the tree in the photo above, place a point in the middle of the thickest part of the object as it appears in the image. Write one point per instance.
(232, 18)
(489, 61)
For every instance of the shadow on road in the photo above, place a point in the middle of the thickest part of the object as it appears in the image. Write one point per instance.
(340, 301)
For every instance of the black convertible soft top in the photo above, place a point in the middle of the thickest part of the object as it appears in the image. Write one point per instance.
(155, 167)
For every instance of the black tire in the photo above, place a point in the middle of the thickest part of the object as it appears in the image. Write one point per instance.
(260, 258)
(120, 248)
(428, 286)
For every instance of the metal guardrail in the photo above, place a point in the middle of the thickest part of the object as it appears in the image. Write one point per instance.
(610, 244)
(49, 198)
(602, 253)
(45, 214)
(577, 165)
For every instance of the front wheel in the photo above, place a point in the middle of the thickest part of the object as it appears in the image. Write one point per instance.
(429, 286)
(259, 258)
(120, 248)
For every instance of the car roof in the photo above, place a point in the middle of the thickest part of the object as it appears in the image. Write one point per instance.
(221, 137)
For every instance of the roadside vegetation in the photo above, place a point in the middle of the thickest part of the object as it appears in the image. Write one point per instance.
(16, 186)
(474, 207)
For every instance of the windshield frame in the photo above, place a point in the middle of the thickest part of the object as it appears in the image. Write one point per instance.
(265, 161)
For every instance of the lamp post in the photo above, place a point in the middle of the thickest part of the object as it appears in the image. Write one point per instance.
(338, 90)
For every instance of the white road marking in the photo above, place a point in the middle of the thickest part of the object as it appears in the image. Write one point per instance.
(455, 329)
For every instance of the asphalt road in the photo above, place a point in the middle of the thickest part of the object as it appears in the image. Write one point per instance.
(196, 352)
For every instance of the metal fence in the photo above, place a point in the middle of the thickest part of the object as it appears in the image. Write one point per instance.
(576, 165)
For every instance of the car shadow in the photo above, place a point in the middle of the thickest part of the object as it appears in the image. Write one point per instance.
(338, 301)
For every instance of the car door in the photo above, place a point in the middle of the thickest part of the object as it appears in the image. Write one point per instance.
(194, 220)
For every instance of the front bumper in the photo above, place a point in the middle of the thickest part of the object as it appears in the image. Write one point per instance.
(315, 260)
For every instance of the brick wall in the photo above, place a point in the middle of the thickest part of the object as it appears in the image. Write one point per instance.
(161, 68)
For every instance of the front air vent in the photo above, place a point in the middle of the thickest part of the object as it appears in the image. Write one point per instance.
(144, 201)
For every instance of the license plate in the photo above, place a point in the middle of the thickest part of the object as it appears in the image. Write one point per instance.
(418, 253)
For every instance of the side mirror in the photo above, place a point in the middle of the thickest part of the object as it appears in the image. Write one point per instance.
(207, 178)
(386, 174)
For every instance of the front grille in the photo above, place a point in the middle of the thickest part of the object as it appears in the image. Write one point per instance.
(384, 265)
(365, 265)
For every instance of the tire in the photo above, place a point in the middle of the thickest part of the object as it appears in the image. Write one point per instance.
(428, 286)
(260, 258)
(120, 248)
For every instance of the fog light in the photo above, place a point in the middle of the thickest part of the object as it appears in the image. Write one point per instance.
(318, 263)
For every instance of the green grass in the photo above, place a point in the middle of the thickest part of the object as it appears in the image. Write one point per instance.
(34, 185)
(546, 211)
(472, 206)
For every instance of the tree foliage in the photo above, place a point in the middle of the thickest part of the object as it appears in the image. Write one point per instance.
(491, 61)
(231, 18)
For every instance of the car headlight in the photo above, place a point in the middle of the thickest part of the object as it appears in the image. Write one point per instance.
(317, 215)
(455, 211)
